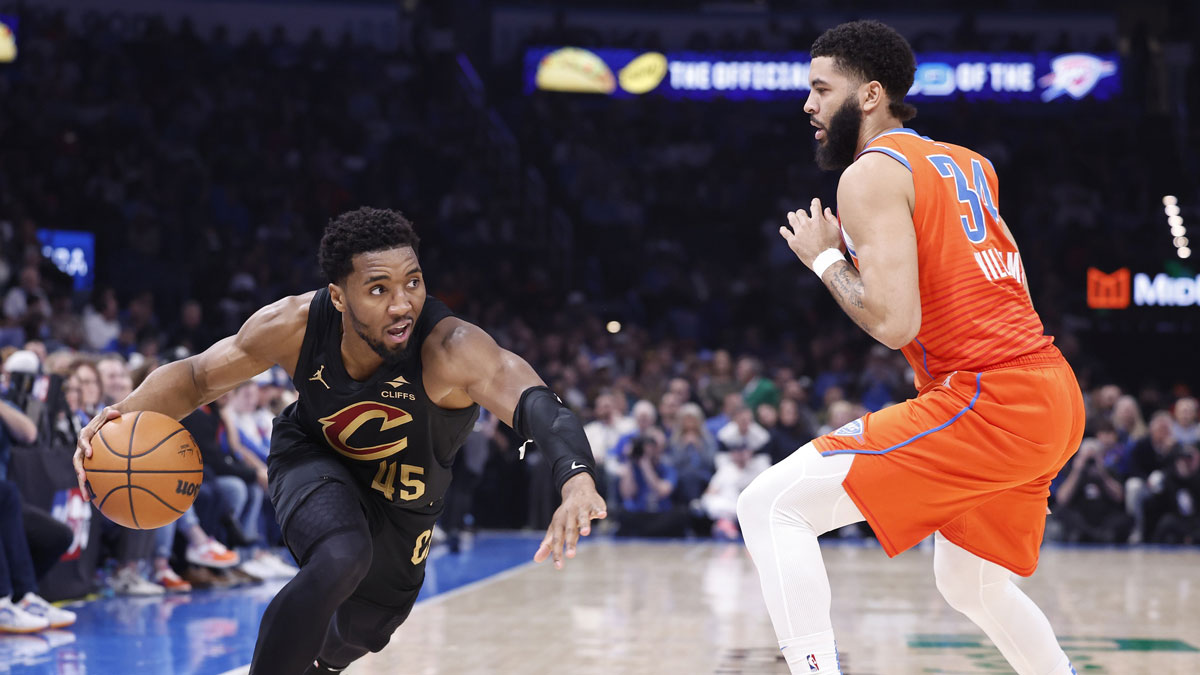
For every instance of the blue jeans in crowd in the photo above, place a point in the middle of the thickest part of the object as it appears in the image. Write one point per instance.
(17, 576)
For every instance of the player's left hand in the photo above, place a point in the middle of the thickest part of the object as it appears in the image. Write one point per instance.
(581, 505)
(811, 233)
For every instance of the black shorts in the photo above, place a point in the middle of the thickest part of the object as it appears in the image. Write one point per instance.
(400, 538)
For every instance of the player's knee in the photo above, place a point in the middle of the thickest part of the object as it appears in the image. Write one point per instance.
(339, 563)
(754, 506)
(961, 589)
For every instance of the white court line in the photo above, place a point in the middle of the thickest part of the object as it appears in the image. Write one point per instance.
(474, 585)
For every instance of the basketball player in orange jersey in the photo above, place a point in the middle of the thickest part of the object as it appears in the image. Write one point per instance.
(390, 384)
(936, 274)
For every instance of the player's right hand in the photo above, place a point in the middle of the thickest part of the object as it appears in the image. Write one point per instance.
(83, 447)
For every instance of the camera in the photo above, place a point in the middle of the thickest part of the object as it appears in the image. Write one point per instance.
(637, 449)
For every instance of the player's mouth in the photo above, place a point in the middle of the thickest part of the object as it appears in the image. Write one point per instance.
(400, 331)
(820, 134)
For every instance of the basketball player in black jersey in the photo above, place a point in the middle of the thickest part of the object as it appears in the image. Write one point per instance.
(390, 383)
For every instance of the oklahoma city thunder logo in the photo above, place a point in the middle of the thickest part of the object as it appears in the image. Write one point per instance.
(853, 429)
(340, 429)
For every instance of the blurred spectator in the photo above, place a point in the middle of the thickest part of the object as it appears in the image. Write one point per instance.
(22, 610)
(879, 382)
(191, 331)
(1185, 426)
(468, 469)
(1103, 401)
(841, 413)
(735, 469)
(1128, 421)
(668, 412)
(217, 508)
(115, 381)
(100, 324)
(795, 428)
(836, 376)
(250, 442)
(1090, 502)
(604, 433)
(692, 451)
(730, 405)
(86, 378)
(644, 418)
(743, 433)
(27, 298)
(647, 482)
(720, 383)
(756, 389)
(1180, 496)
(201, 550)
(1147, 461)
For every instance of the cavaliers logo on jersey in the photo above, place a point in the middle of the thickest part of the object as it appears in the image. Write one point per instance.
(371, 442)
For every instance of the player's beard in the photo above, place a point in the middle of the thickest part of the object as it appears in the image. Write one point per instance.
(841, 137)
(399, 356)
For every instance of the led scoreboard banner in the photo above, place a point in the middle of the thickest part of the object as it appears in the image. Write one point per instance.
(973, 76)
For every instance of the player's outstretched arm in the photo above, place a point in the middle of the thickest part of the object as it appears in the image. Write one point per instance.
(271, 336)
(875, 201)
(468, 366)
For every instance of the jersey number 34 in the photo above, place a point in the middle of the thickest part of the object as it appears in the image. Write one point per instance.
(977, 195)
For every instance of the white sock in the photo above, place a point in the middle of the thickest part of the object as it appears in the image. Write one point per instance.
(814, 654)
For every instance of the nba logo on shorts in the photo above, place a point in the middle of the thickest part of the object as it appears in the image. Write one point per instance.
(812, 663)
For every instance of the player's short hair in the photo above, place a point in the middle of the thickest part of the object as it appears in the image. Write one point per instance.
(871, 50)
(362, 230)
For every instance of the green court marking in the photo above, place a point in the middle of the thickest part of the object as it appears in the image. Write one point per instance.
(1069, 643)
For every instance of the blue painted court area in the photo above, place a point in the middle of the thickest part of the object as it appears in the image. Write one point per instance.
(210, 632)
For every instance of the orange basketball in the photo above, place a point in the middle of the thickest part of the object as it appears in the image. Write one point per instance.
(145, 470)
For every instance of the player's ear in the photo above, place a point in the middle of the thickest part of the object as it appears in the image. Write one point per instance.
(871, 96)
(335, 296)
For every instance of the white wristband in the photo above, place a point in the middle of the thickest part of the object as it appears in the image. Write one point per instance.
(825, 259)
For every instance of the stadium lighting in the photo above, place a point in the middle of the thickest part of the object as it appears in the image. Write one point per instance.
(1179, 231)
(1172, 209)
(1170, 200)
(1185, 252)
(1181, 242)
(1175, 221)
(614, 327)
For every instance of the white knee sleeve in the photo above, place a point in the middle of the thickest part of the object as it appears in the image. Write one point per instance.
(984, 591)
(804, 490)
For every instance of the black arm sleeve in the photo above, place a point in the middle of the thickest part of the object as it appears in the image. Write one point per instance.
(540, 416)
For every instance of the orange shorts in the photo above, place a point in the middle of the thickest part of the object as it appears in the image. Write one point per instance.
(972, 455)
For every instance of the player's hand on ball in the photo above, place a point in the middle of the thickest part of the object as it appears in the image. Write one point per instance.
(581, 505)
(811, 233)
(83, 447)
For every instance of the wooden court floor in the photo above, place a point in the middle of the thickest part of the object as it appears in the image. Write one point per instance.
(651, 607)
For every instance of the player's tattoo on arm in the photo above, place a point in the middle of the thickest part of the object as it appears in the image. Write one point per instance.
(847, 287)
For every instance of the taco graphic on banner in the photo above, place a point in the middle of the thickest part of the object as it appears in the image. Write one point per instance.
(575, 70)
(8, 43)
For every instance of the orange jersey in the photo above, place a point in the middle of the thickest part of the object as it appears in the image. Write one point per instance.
(975, 312)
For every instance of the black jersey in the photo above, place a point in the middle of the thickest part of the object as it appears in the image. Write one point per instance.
(393, 438)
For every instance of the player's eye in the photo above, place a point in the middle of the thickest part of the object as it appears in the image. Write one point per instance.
(378, 290)
(414, 282)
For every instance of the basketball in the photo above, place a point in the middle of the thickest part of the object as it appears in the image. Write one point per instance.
(145, 470)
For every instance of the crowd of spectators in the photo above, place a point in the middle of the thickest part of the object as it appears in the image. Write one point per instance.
(207, 169)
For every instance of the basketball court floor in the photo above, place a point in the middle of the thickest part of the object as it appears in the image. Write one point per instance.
(663, 607)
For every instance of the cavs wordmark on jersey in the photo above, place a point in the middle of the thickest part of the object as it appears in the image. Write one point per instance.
(396, 442)
(975, 312)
